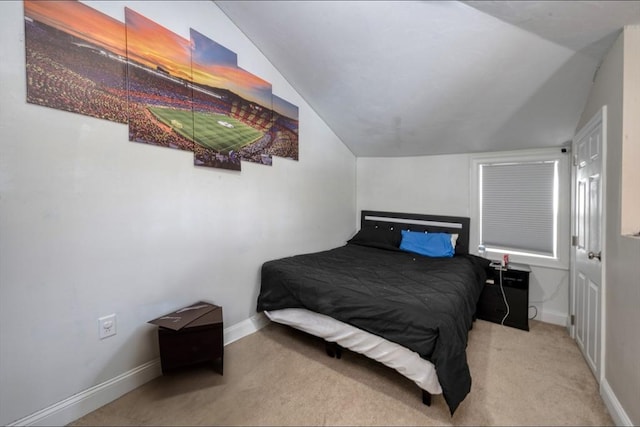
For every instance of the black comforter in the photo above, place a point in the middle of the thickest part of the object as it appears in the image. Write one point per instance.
(424, 304)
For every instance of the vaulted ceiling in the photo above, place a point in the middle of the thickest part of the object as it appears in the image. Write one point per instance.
(396, 78)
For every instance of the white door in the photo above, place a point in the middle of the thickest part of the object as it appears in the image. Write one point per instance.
(587, 276)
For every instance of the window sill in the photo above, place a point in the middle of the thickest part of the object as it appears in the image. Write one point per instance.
(556, 264)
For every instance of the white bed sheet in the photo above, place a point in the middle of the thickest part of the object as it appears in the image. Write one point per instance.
(406, 362)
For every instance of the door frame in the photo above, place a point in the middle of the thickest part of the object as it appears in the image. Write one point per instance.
(599, 117)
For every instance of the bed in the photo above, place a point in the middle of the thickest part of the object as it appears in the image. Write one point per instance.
(409, 311)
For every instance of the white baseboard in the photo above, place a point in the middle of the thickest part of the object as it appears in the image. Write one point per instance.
(245, 328)
(553, 317)
(617, 412)
(89, 400)
(80, 404)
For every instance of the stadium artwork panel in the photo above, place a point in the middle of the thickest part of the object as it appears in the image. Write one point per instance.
(284, 129)
(158, 72)
(75, 59)
(232, 107)
(173, 92)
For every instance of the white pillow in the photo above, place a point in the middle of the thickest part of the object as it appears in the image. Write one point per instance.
(454, 240)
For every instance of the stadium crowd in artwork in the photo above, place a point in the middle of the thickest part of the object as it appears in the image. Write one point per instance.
(186, 94)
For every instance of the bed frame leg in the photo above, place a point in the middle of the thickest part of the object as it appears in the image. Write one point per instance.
(329, 348)
(333, 349)
(426, 397)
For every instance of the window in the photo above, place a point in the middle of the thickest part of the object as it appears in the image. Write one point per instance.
(520, 206)
(630, 203)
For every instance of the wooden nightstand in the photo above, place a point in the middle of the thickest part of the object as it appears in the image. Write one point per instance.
(515, 283)
(191, 335)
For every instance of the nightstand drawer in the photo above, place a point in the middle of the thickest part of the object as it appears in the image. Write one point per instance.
(191, 335)
(180, 348)
(511, 280)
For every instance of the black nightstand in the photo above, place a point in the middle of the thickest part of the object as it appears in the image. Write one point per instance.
(191, 335)
(515, 283)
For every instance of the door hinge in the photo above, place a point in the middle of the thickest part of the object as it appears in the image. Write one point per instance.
(573, 319)
(574, 240)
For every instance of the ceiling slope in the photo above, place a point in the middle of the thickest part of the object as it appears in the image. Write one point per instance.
(395, 78)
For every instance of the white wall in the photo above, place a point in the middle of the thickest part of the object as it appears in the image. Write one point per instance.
(621, 254)
(436, 185)
(92, 224)
(441, 185)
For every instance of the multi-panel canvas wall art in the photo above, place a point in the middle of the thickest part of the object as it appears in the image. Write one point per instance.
(187, 94)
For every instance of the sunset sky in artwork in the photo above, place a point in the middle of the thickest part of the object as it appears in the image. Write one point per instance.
(153, 45)
(285, 108)
(81, 21)
(216, 66)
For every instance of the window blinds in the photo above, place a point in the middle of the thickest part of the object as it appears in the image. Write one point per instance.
(517, 206)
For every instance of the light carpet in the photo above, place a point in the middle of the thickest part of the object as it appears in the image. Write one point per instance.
(280, 376)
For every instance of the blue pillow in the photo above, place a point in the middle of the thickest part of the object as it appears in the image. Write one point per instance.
(436, 245)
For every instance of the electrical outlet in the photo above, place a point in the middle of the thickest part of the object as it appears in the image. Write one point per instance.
(107, 326)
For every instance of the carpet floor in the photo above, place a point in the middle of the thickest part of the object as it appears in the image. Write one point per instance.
(280, 376)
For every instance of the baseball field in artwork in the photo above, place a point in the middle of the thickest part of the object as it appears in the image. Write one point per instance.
(216, 131)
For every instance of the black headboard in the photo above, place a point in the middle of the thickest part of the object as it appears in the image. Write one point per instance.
(417, 222)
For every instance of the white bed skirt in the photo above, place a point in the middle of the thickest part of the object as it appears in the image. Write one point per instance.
(406, 362)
